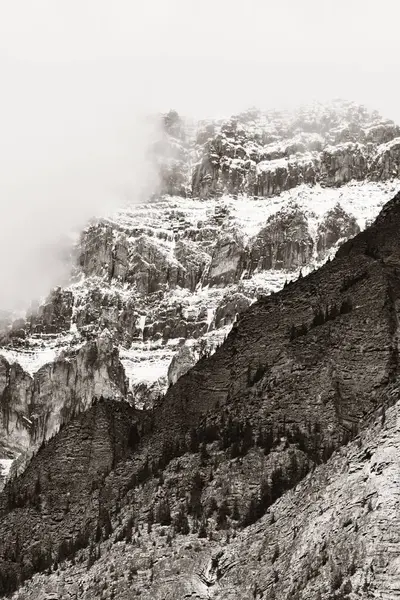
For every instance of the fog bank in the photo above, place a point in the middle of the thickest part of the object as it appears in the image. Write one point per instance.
(79, 77)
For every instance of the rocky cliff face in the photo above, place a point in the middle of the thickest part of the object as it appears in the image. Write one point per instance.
(337, 225)
(264, 154)
(201, 497)
(285, 243)
(245, 205)
(33, 408)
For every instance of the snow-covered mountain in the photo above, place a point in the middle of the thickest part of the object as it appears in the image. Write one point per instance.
(244, 206)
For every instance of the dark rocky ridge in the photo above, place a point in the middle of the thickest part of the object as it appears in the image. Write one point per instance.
(307, 366)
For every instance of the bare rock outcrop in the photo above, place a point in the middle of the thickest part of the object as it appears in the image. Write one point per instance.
(284, 243)
(264, 155)
(387, 161)
(227, 260)
(55, 315)
(16, 390)
(34, 408)
(230, 306)
(181, 363)
(336, 225)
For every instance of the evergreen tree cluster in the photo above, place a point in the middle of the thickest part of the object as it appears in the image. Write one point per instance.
(320, 317)
(18, 497)
(234, 436)
(126, 531)
(351, 280)
(273, 488)
(254, 376)
(181, 522)
(20, 566)
(238, 437)
(192, 506)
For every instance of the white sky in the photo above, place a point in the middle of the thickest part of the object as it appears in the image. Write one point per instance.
(210, 56)
(78, 75)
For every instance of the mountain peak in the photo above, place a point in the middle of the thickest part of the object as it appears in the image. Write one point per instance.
(245, 205)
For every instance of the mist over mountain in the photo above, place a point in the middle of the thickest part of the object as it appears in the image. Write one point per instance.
(199, 308)
(73, 132)
(65, 158)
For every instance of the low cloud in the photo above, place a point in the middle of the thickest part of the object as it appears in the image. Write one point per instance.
(71, 148)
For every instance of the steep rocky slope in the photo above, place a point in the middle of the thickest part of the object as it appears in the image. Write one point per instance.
(341, 544)
(244, 205)
(191, 499)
